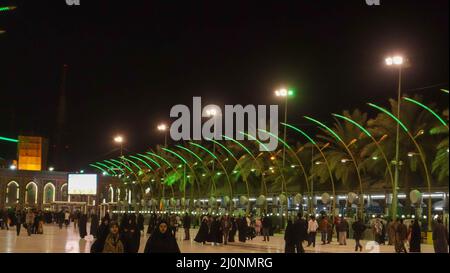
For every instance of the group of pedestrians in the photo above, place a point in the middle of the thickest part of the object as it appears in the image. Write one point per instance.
(125, 236)
(223, 229)
(404, 238)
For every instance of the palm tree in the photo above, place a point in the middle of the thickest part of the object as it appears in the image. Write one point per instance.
(440, 162)
(419, 122)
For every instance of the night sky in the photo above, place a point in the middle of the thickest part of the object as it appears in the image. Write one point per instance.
(131, 61)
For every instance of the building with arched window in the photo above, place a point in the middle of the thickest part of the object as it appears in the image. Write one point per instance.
(44, 189)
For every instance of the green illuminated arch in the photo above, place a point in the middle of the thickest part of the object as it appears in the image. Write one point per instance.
(327, 164)
(380, 149)
(114, 164)
(355, 164)
(107, 167)
(325, 127)
(267, 150)
(132, 162)
(240, 145)
(441, 120)
(190, 152)
(389, 114)
(293, 152)
(97, 167)
(123, 164)
(301, 132)
(220, 163)
(9, 139)
(150, 159)
(143, 161)
(176, 154)
(161, 158)
(354, 123)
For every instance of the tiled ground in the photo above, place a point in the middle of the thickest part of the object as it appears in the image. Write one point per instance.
(67, 240)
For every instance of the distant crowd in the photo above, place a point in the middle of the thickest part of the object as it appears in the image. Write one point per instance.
(114, 234)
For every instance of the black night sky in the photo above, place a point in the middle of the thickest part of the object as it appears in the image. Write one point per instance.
(131, 61)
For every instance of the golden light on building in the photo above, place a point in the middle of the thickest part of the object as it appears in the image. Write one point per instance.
(32, 152)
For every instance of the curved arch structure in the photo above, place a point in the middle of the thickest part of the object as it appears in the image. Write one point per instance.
(421, 154)
(330, 173)
(355, 164)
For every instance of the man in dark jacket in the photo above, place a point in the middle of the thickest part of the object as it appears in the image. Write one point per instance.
(140, 222)
(186, 226)
(358, 231)
(19, 221)
(440, 237)
(301, 232)
(266, 225)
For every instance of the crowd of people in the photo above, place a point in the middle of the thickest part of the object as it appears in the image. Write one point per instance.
(123, 234)
(223, 229)
(404, 238)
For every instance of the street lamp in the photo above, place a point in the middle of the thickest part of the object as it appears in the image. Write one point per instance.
(396, 61)
(212, 112)
(284, 93)
(51, 169)
(163, 128)
(119, 139)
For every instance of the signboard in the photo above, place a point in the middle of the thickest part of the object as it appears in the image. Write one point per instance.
(82, 184)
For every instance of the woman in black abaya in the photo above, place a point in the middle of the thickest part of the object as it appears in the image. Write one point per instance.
(202, 235)
(162, 241)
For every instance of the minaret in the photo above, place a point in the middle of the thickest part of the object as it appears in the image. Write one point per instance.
(59, 158)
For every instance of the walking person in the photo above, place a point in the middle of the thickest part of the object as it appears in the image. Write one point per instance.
(94, 225)
(82, 225)
(312, 231)
(60, 218)
(214, 231)
(140, 222)
(102, 233)
(323, 227)
(131, 236)
(66, 218)
(203, 231)
(377, 231)
(19, 221)
(401, 234)
(440, 237)
(162, 241)
(29, 220)
(243, 229)
(187, 226)
(76, 217)
(391, 232)
(415, 237)
(301, 231)
(113, 244)
(266, 227)
(342, 229)
(358, 232)
(226, 226)
(289, 238)
(258, 226)
(5, 219)
(233, 230)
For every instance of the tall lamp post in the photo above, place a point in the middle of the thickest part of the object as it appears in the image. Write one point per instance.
(213, 113)
(284, 93)
(119, 140)
(163, 128)
(396, 61)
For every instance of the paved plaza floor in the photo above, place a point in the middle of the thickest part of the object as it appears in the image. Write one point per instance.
(67, 240)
